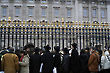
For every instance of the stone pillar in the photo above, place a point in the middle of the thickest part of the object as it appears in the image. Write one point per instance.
(108, 11)
(76, 10)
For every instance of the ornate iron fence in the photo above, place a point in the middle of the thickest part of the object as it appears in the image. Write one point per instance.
(17, 34)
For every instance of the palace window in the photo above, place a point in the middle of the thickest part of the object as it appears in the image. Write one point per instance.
(94, 13)
(17, 0)
(56, 1)
(43, 12)
(68, 1)
(4, 0)
(56, 12)
(43, 1)
(103, 13)
(17, 11)
(30, 11)
(30, 0)
(68, 12)
(4, 11)
(85, 12)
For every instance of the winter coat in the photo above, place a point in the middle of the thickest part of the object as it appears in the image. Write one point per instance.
(57, 62)
(24, 65)
(66, 63)
(74, 62)
(48, 62)
(105, 61)
(10, 63)
(93, 62)
(84, 63)
(35, 63)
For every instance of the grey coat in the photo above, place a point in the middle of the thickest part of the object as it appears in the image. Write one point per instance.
(24, 65)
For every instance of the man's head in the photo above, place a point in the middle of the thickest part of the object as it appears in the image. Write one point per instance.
(37, 49)
(57, 48)
(28, 47)
(74, 46)
(47, 48)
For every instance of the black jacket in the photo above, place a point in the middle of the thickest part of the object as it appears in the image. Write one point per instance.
(66, 63)
(74, 61)
(57, 62)
(84, 63)
(35, 63)
(48, 62)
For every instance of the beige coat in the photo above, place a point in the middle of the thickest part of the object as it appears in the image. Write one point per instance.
(10, 63)
(24, 65)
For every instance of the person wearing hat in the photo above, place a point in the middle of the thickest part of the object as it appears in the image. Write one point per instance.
(47, 60)
(93, 61)
(35, 61)
(66, 61)
(25, 61)
(57, 59)
(83, 60)
(74, 59)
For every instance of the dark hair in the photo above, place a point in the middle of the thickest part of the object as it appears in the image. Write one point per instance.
(29, 45)
(37, 49)
(57, 48)
(47, 48)
(22, 51)
(66, 50)
(74, 45)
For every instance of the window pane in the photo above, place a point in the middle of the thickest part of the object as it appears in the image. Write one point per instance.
(17, 12)
(56, 12)
(4, 11)
(17, 0)
(85, 12)
(68, 12)
(68, 0)
(44, 1)
(30, 0)
(94, 13)
(102, 13)
(56, 0)
(30, 12)
(43, 11)
(4, 0)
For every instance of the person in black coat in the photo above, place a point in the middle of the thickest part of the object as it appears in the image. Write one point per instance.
(57, 59)
(66, 61)
(35, 61)
(74, 59)
(84, 57)
(47, 60)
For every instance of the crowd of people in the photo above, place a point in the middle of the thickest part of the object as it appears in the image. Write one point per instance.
(36, 60)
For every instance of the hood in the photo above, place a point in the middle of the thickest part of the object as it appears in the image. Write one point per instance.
(106, 53)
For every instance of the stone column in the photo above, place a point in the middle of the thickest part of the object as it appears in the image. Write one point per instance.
(76, 10)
